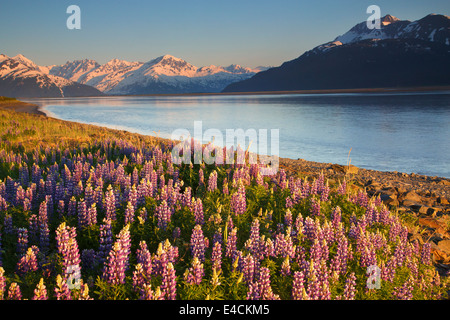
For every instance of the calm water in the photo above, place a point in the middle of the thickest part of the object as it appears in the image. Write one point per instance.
(388, 132)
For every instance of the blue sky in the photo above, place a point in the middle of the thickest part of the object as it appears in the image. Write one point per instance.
(245, 32)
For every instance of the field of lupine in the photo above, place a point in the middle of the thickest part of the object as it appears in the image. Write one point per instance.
(92, 213)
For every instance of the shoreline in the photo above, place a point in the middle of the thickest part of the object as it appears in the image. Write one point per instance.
(433, 192)
(425, 200)
(316, 91)
(20, 106)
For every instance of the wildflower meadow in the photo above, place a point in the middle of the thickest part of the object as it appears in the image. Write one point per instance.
(90, 215)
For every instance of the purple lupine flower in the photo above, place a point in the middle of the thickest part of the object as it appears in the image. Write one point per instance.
(262, 289)
(160, 260)
(231, 244)
(92, 214)
(44, 237)
(288, 218)
(105, 241)
(339, 261)
(33, 228)
(388, 270)
(325, 193)
(2, 283)
(198, 243)
(298, 286)
(315, 206)
(217, 237)
(283, 246)
(72, 208)
(405, 292)
(216, 257)
(399, 253)
(362, 199)
(142, 215)
(238, 200)
(117, 261)
(26, 204)
(129, 213)
(43, 213)
(62, 291)
(336, 216)
(314, 289)
(139, 279)
(169, 283)
(413, 267)
(201, 177)
(14, 292)
(254, 244)
(144, 257)
(186, 198)
(133, 196)
(225, 190)
(286, 267)
(248, 268)
(289, 202)
(212, 182)
(67, 247)
(198, 211)
(310, 228)
(194, 275)
(342, 188)
(425, 254)
(172, 251)
(316, 251)
(110, 203)
(20, 195)
(148, 294)
(22, 240)
(350, 287)
(163, 214)
(368, 256)
(83, 220)
(3, 204)
(89, 195)
(61, 208)
(269, 250)
(40, 293)
(135, 177)
(28, 262)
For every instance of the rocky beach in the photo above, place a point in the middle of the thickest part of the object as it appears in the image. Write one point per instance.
(424, 199)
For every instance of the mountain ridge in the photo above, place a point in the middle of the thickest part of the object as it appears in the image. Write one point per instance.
(164, 74)
(401, 54)
(20, 77)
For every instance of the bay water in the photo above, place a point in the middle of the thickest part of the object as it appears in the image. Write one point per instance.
(405, 132)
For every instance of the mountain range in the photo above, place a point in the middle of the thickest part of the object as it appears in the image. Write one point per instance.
(19, 76)
(400, 54)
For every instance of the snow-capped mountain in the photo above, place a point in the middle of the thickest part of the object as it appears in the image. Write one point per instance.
(165, 74)
(433, 27)
(400, 54)
(74, 70)
(21, 77)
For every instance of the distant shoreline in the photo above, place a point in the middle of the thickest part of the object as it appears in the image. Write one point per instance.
(319, 91)
(20, 106)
